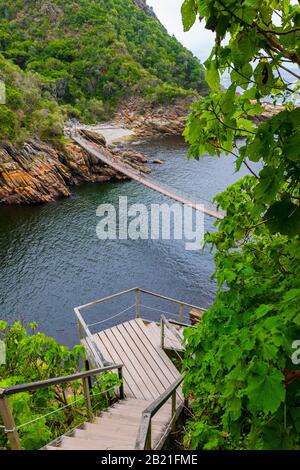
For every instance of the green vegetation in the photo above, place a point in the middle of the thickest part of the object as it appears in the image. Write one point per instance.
(31, 357)
(28, 111)
(239, 359)
(92, 54)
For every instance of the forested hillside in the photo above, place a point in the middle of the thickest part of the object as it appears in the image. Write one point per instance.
(92, 54)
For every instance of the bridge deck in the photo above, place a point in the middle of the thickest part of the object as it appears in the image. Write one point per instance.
(106, 157)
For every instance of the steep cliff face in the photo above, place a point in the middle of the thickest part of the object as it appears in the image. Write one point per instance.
(39, 173)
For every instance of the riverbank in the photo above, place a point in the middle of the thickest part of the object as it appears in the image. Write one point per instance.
(39, 172)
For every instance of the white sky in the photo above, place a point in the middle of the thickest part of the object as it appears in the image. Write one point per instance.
(199, 40)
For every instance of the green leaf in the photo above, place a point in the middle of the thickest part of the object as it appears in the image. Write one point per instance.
(212, 75)
(292, 148)
(189, 14)
(262, 310)
(284, 217)
(265, 388)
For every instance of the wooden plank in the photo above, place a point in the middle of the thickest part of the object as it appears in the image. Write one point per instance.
(128, 438)
(72, 443)
(122, 421)
(147, 347)
(143, 361)
(53, 448)
(158, 371)
(155, 329)
(148, 390)
(129, 384)
(100, 347)
(136, 384)
(171, 341)
(131, 421)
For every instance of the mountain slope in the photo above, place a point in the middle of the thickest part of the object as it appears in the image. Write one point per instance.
(91, 54)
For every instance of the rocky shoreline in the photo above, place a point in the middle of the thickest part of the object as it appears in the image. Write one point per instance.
(40, 172)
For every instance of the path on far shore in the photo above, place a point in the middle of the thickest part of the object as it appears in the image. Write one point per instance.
(112, 132)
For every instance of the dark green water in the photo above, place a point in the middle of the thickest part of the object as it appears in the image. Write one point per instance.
(52, 260)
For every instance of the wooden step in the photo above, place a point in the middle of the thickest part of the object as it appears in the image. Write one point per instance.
(106, 434)
(130, 420)
(72, 443)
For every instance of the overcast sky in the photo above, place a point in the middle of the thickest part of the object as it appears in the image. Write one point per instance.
(198, 39)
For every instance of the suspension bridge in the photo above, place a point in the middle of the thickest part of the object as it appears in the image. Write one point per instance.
(108, 159)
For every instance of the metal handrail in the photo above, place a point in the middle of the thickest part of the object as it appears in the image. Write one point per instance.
(164, 322)
(29, 387)
(170, 299)
(10, 427)
(143, 441)
(85, 332)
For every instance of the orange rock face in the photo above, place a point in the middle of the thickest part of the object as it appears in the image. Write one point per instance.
(39, 173)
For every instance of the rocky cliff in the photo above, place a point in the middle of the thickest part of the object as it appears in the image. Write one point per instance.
(148, 120)
(38, 172)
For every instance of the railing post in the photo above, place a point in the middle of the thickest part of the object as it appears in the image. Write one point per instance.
(87, 397)
(181, 312)
(148, 444)
(138, 303)
(162, 328)
(9, 423)
(87, 368)
(120, 374)
(173, 410)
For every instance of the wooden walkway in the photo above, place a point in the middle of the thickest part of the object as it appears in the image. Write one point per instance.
(107, 158)
(147, 370)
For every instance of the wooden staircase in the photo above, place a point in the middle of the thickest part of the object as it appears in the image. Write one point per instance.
(150, 387)
(115, 429)
(147, 373)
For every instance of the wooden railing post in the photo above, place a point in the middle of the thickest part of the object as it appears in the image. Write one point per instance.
(173, 410)
(87, 397)
(120, 374)
(181, 312)
(9, 423)
(162, 328)
(138, 303)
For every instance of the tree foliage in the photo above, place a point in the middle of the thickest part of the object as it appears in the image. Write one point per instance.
(238, 360)
(104, 50)
(28, 111)
(31, 356)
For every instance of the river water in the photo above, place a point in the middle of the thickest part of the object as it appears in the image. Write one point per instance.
(52, 260)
